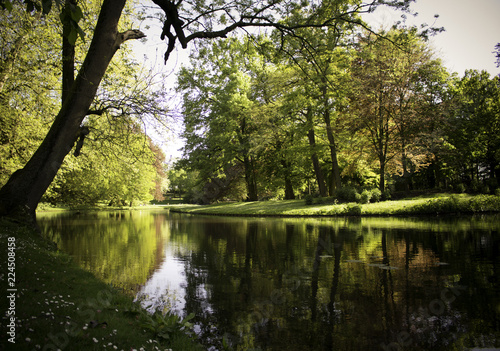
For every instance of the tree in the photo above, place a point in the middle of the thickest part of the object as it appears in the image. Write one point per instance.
(118, 168)
(395, 97)
(220, 112)
(126, 96)
(321, 61)
(474, 128)
(26, 88)
(21, 194)
(497, 54)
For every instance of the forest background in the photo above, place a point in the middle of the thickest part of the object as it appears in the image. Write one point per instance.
(264, 116)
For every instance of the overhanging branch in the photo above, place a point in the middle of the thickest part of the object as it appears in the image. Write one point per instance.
(128, 35)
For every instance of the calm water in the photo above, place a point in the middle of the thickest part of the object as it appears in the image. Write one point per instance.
(302, 284)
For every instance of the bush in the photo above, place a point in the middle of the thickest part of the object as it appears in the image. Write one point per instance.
(347, 194)
(387, 194)
(376, 195)
(485, 189)
(455, 204)
(352, 210)
(321, 200)
(309, 199)
(365, 196)
(460, 188)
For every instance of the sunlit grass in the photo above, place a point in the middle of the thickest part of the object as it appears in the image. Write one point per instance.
(431, 204)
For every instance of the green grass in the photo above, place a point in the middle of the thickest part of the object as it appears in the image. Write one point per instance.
(46, 207)
(60, 306)
(424, 205)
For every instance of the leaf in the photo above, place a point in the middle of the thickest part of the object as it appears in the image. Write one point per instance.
(72, 36)
(164, 335)
(76, 13)
(46, 6)
(189, 317)
(6, 4)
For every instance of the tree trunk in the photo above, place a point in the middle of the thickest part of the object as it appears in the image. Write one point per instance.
(289, 194)
(335, 182)
(68, 58)
(335, 177)
(382, 174)
(19, 197)
(320, 178)
(250, 179)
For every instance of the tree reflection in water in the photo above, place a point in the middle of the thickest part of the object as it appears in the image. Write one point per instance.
(305, 284)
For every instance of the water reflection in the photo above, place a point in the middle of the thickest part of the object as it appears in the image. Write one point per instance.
(304, 284)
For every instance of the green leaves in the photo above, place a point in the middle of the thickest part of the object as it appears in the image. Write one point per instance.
(6, 5)
(71, 16)
(166, 325)
(46, 6)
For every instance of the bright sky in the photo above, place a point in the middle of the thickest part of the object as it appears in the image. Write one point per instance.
(472, 31)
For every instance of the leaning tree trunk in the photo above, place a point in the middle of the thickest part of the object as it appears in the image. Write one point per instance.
(19, 197)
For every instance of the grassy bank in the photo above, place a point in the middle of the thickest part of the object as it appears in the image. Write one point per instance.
(57, 305)
(423, 205)
(45, 207)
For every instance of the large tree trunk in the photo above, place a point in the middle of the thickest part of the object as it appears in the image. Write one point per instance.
(289, 194)
(68, 58)
(382, 173)
(335, 181)
(20, 195)
(250, 180)
(320, 178)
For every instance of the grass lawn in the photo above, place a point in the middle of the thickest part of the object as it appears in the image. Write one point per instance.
(429, 204)
(57, 305)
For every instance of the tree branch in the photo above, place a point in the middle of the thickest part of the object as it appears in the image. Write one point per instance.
(128, 35)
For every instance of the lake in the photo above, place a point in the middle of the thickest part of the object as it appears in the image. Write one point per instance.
(301, 284)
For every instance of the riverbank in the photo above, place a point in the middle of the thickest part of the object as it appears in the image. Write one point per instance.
(54, 304)
(435, 204)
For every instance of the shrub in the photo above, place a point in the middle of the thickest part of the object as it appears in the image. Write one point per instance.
(485, 189)
(387, 194)
(309, 199)
(460, 188)
(454, 204)
(365, 196)
(321, 200)
(352, 210)
(347, 194)
(376, 195)
(484, 203)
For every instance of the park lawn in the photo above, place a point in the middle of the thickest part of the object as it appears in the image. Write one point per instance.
(58, 305)
(422, 205)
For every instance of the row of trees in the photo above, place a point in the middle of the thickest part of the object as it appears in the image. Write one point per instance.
(113, 160)
(183, 22)
(341, 108)
(308, 32)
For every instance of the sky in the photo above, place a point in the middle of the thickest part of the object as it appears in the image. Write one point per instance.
(472, 29)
